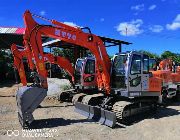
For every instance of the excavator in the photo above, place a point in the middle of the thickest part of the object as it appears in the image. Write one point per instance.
(36, 58)
(170, 75)
(125, 85)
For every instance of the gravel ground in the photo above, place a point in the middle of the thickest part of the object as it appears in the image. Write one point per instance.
(59, 121)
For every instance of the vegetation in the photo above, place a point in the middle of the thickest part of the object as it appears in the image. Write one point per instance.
(65, 87)
(151, 55)
(166, 54)
(6, 65)
(175, 57)
(67, 53)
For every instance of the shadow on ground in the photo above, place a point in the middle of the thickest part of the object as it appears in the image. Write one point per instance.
(7, 96)
(7, 83)
(55, 122)
(161, 112)
(55, 106)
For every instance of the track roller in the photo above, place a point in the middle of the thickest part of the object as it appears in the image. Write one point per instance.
(78, 97)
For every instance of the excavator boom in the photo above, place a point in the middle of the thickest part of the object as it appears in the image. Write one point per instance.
(73, 35)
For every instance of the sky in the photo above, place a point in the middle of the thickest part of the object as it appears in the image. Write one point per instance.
(151, 25)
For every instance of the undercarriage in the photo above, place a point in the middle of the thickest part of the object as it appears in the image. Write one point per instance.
(113, 109)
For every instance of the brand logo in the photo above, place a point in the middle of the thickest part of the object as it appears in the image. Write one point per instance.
(64, 34)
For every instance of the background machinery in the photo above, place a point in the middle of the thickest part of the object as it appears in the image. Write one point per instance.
(125, 85)
(169, 73)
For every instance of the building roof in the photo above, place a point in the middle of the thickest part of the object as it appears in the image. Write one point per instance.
(10, 35)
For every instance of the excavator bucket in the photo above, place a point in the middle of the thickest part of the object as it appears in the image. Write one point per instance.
(28, 99)
(96, 113)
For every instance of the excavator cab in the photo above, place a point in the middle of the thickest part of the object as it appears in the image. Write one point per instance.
(130, 73)
(85, 74)
(130, 80)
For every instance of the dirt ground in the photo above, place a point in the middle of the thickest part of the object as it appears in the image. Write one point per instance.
(59, 121)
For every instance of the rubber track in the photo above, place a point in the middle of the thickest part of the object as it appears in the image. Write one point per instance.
(118, 108)
(87, 98)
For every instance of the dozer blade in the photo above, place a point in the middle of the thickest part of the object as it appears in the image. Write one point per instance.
(82, 109)
(28, 99)
(96, 113)
(91, 112)
(108, 118)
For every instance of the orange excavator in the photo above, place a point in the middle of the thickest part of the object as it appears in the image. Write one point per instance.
(169, 73)
(126, 87)
(24, 52)
(36, 58)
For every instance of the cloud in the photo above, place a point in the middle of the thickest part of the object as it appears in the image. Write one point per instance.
(71, 24)
(102, 19)
(152, 7)
(175, 25)
(139, 7)
(131, 28)
(42, 13)
(156, 28)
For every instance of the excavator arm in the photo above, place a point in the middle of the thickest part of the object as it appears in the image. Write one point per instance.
(73, 35)
(19, 54)
(62, 62)
(18, 63)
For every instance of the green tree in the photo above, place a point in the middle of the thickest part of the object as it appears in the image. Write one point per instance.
(168, 54)
(151, 55)
(6, 64)
(177, 59)
(67, 53)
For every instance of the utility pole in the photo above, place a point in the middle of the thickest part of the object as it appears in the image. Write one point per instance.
(126, 31)
(50, 72)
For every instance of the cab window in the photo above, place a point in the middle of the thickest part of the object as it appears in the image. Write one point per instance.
(145, 64)
(90, 67)
(136, 64)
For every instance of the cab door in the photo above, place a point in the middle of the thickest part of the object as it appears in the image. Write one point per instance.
(79, 71)
(145, 73)
(134, 78)
(89, 74)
